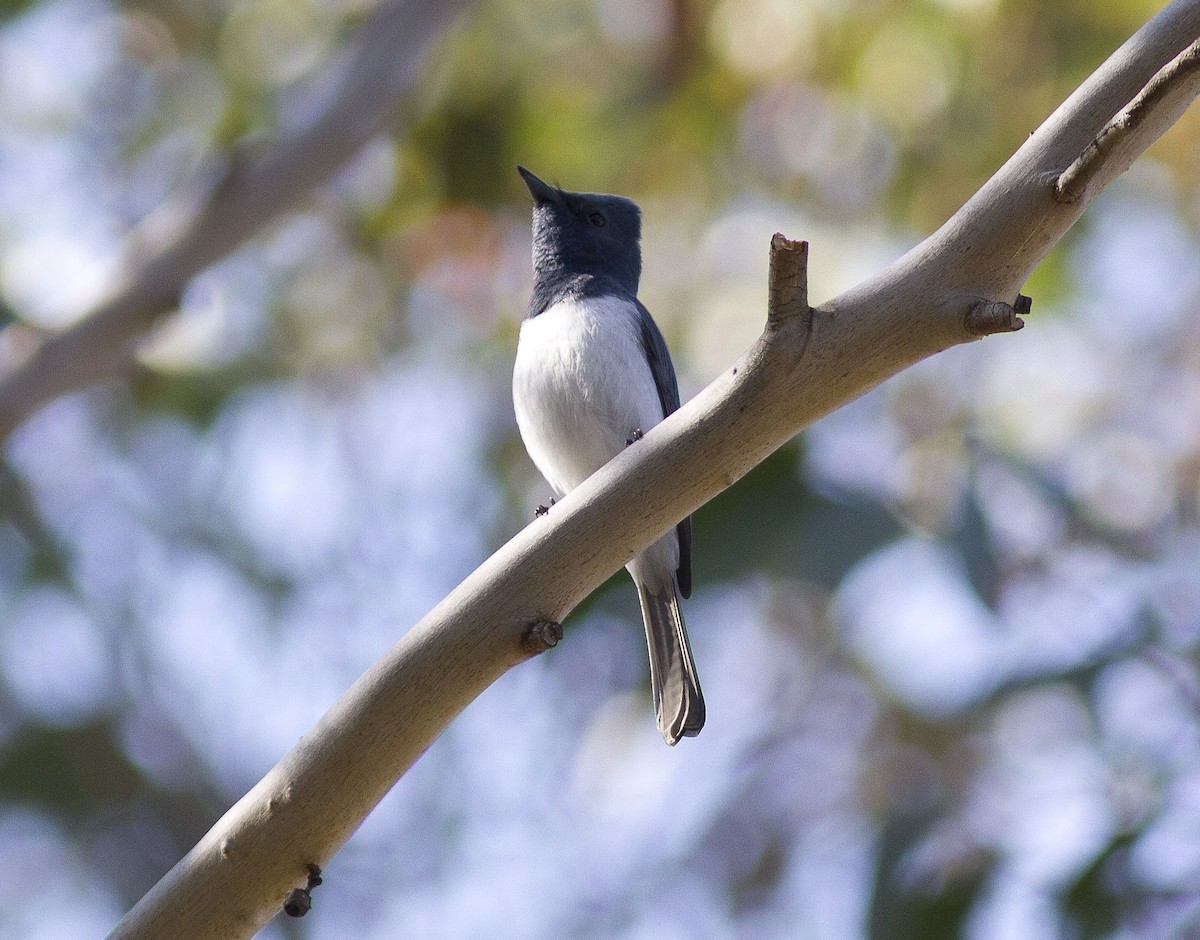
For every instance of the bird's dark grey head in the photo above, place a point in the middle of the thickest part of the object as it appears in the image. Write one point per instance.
(584, 233)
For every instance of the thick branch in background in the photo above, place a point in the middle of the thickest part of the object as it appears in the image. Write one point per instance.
(961, 281)
(362, 93)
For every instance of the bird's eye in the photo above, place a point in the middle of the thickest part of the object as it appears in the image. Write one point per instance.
(597, 219)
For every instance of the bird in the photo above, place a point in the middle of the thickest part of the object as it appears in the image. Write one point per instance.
(592, 374)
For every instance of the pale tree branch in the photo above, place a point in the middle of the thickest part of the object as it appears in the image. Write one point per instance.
(362, 92)
(806, 363)
(1156, 106)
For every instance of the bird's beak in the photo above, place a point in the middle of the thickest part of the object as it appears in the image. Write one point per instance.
(540, 191)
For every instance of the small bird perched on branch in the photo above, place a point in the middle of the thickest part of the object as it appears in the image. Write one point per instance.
(592, 375)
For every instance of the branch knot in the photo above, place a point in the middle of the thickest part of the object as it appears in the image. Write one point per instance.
(541, 636)
(299, 900)
(995, 316)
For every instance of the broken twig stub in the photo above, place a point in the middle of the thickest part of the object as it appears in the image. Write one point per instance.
(995, 316)
(787, 288)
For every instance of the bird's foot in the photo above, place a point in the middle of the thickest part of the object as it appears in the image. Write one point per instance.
(542, 510)
(635, 436)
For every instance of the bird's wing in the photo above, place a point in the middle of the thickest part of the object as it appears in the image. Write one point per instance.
(660, 361)
(663, 371)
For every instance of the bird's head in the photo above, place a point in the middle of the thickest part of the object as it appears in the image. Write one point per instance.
(584, 233)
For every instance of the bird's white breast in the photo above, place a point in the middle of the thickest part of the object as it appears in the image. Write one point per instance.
(581, 385)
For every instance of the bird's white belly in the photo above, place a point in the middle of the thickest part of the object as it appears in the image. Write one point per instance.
(581, 386)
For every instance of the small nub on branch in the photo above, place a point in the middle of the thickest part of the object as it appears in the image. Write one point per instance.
(541, 636)
(995, 316)
(299, 900)
(787, 288)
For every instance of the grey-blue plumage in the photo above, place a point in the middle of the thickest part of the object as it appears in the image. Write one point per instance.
(592, 372)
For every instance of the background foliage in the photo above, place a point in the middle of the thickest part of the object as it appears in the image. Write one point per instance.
(948, 638)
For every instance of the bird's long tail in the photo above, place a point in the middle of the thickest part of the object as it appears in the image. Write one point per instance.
(678, 701)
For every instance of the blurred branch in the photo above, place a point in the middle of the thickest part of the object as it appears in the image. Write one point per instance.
(362, 92)
(18, 507)
(801, 368)
(1181, 674)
